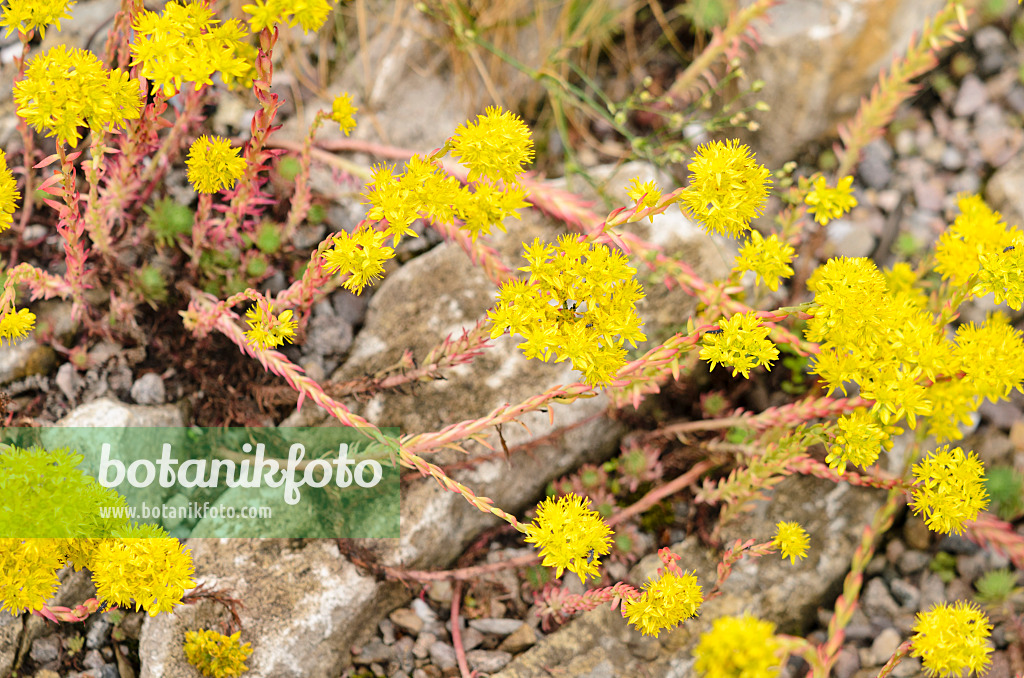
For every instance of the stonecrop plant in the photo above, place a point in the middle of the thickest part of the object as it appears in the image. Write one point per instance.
(888, 336)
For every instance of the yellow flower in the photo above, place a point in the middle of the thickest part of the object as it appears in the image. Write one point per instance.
(579, 305)
(951, 638)
(311, 14)
(213, 164)
(769, 259)
(496, 146)
(8, 194)
(267, 331)
(791, 540)
(26, 15)
(65, 89)
(343, 112)
(742, 344)
(184, 44)
(646, 194)
(727, 187)
(950, 489)
(569, 535)
(16, 325)
(361, 255)
(830, 203)
(28, 573)
(664, 603)
(215, 654)
(154, 572)
(738, 647)
(858, 441)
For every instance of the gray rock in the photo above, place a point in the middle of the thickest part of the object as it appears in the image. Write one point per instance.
(374, 652)
(847, 663)
(149, 390)
(472, 639)
(970, 97)
(911, 666)
(328, 335)
(10, 630)
(93, 660)
(519, 640)
(933, 591)
(1003, 194)
(906, 593)
(877, 600)
(387, 631)
(46, 649)
(875, 167)
(99, 631)
(424, 611)
(884, 646)
(442, 655)
(499, 627)
(835, 51)
(105, 671)
(487, 661)
(421, 648)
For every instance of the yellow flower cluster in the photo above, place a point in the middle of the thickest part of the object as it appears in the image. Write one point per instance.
(65, 89)
(578, 304)
(742, 344)
(860, 437)
(769, 258)
(877, 330)
(496, 147)
(213, 164)
(827, 203)
(9, 194)
(738, 646)
(185, 44)
(267, 330)
(727, 187)
(153, 571)
(215, 654)
(310, 14)
(951, 638)
(664, 603)
(950, 489)
(26, 15)
(343, 112)
(646, 194)
(493, 148)
(570, 535)
(16, 324)
(791, 540)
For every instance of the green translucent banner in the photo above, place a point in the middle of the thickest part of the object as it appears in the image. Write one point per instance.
(198, 482)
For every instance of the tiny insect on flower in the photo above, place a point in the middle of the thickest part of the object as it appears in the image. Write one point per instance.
(718, 331)
(1007, 249)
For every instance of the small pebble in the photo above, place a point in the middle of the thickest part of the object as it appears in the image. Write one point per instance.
(488, 661)
(387, 631)
(45, 650)
(149, 390)
(884, 646)
(498, 627)
(373, 652)
(424, 611)
(407, 620)
(442, 655)
(520, 640)
(421, 648)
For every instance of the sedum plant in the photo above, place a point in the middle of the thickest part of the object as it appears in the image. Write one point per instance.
(886, 332)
